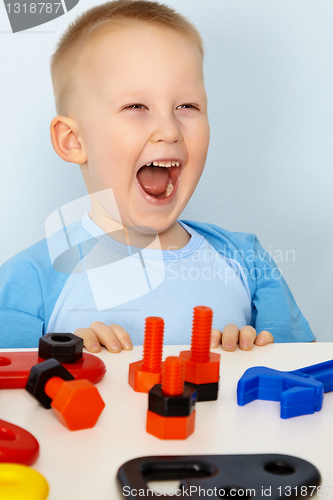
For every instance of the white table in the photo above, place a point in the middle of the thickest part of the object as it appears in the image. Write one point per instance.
(82, 465)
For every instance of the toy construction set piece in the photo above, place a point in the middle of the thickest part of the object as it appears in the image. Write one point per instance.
(144, 374)
(202, 367)
(171, 405)
(76, 403)
(19, 482)
(17, 445)
(221, 476)
(15, 366)
(64, 347)
(301, 392)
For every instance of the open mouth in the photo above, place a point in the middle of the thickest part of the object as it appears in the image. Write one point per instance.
(159, 178)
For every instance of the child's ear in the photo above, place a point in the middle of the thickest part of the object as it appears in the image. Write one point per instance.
(65, 140)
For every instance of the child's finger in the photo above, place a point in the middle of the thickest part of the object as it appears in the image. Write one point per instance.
(247, 336)
(90, 340)
(230, 337)
(215, 338)
(122, 336)
(264, 338)
(106, 336)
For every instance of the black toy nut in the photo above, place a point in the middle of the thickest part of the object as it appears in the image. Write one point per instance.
(64, 347)
(171, 406)
(205, 392)
(40, 374)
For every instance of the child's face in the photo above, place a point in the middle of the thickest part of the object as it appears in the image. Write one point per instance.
(141, 98)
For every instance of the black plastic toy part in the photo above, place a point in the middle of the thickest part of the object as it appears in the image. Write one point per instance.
(64, 347)
(171, 406)
(40, 374)
(221, 476)
(205, 392)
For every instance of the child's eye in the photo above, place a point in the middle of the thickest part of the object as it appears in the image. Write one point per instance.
(135, 106)
(187, 106)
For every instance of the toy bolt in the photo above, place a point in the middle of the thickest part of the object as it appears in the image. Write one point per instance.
(202, 367)
(76, 403)
(144, 374)
(171, 405)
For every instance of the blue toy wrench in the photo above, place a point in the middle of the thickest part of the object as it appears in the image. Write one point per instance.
(301, 392)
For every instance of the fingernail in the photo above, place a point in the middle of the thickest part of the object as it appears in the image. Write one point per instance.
(259, 341)
(229, 345)
(94, 346)
(128, 345)
(115, 346)
(245, 344)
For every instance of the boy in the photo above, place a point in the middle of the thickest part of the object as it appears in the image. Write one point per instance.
(132, 112)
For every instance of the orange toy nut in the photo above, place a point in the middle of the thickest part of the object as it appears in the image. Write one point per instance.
(76, 403)
(170, 427)
(201, 373)
(142, 380)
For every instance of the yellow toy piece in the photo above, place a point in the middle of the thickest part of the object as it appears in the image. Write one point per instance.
(19, 482)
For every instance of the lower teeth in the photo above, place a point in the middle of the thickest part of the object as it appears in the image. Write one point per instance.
(169, 189)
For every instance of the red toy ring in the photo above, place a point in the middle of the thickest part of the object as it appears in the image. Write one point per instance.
(17, 445)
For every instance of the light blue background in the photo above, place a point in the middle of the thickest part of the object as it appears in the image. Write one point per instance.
(269, 78)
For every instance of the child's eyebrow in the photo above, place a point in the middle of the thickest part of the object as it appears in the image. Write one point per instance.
(144, 94)
(130, 95)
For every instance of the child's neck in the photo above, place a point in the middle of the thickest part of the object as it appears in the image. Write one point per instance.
(174, 238)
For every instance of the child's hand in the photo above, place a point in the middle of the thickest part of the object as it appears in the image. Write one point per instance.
(245, 337)
(113, 337)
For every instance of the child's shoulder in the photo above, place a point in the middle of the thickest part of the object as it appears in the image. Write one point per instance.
(222, 239)
(28, 259)
(244, 248)
(48, 255)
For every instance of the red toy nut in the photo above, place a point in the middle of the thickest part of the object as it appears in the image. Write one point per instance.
(201, 373)
(170, 427)
(144, 374)
(76, 403)
(140, 379)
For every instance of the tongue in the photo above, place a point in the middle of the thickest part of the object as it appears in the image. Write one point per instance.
(153, 180)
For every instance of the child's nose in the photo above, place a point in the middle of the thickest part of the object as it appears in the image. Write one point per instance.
(166, 128)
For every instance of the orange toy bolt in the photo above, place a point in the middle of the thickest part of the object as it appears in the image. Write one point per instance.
(171, 405)
(202, 367)
(76, 403)
(144, 374)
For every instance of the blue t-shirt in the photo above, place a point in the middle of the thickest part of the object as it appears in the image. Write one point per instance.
(81, 274)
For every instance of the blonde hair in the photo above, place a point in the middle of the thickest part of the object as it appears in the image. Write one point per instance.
(74, 39)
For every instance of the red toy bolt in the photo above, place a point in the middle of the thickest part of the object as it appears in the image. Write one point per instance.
(76, 403)
(171, 413)
(144, 374)
(202, 367)
(173, 376)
